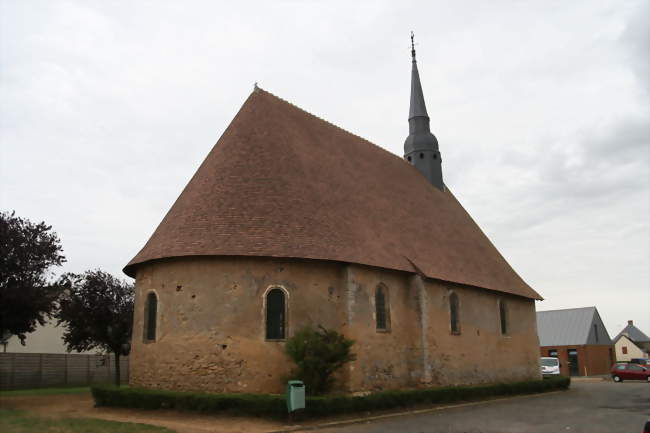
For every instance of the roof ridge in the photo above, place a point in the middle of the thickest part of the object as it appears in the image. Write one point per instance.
(327, 122)
(567, 309)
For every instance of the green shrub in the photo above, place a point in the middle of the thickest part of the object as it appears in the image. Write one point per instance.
(236, 404)
(318, 354)
(274, 406)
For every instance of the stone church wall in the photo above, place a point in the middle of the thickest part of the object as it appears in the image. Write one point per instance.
(211, 328)
(385, 359)
(420, 349)
(210, 331)
(480, 353)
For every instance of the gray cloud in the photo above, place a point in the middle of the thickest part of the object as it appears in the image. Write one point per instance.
(636, 38)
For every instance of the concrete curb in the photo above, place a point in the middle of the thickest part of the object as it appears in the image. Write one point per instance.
(590, 379)
(342, 423)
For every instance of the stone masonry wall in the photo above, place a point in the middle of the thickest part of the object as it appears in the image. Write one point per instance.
(480, 353)
(211, 330)
(385, 359)
(420, 349)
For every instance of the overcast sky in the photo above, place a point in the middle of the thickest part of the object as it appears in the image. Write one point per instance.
(541, 109)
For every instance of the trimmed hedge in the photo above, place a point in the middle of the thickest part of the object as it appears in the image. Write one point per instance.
(274, 406)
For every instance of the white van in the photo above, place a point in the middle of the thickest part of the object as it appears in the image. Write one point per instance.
(550, 366)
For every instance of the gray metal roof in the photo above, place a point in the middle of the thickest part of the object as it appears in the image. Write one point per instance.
(574, 326)
(633, 333)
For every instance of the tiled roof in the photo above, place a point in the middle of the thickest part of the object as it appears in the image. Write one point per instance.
(281, 182)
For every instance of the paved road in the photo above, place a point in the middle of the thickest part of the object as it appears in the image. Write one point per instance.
(601, 407)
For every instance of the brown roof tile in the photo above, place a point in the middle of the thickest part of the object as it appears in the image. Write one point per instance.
(281, 182)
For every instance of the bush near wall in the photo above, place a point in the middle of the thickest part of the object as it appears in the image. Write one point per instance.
(274, 406)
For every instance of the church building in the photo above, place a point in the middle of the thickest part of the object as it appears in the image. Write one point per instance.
(291, 221)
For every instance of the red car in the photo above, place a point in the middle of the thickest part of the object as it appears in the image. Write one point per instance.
(626, 371)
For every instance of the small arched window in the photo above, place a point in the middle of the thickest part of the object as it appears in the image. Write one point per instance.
(503, 317)
(382, 311)
(151, 311)
(454, 316)
(275, 315)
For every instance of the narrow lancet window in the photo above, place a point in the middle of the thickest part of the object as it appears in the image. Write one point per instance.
(275, 315)
(454, 314)
(503, 316)
(382, 314)
(151, 310)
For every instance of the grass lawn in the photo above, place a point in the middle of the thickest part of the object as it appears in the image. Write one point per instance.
(45, 391)
(16, 421)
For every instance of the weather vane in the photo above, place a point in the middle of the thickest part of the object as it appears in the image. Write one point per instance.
(412, 45)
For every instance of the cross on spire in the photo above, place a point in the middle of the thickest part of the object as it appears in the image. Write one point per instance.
(412, 45)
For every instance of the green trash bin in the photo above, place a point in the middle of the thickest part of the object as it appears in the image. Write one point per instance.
(295, 395)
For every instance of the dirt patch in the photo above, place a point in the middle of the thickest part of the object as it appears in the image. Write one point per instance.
(82, 406)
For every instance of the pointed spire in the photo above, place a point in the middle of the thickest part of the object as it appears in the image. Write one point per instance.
(418, 107)
(421, 146)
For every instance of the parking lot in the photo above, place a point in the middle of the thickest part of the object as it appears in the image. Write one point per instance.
(599, 407)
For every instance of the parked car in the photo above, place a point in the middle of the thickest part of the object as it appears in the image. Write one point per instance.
(550, 366)
(628, 371)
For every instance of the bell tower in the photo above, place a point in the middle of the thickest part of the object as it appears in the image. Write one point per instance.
(421, 146)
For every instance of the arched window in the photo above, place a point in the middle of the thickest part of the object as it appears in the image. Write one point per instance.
(503, 316)
(150, 313)
(382, 311)
(454, 317)
(275, 315)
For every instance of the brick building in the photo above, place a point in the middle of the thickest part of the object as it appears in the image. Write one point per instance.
(292, 221)
(578, 338)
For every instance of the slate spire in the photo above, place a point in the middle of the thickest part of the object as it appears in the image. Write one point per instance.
(418, 107)
(421, 146)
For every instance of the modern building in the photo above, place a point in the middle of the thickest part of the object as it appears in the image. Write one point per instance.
(631, 343)
(292, 221)
(578, 338)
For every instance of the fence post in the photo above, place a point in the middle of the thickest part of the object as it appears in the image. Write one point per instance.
(40, 370)
(87, 369)
(65, 369)
(13, 371)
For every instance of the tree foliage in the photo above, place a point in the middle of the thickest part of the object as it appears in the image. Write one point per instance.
(318, 354)
(97, 312)
(27, 252)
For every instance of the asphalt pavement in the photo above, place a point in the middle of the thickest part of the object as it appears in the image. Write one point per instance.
(599, 407)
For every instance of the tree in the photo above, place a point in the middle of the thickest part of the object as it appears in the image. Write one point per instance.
(318, 354)
(97, 312)
(27, 252)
